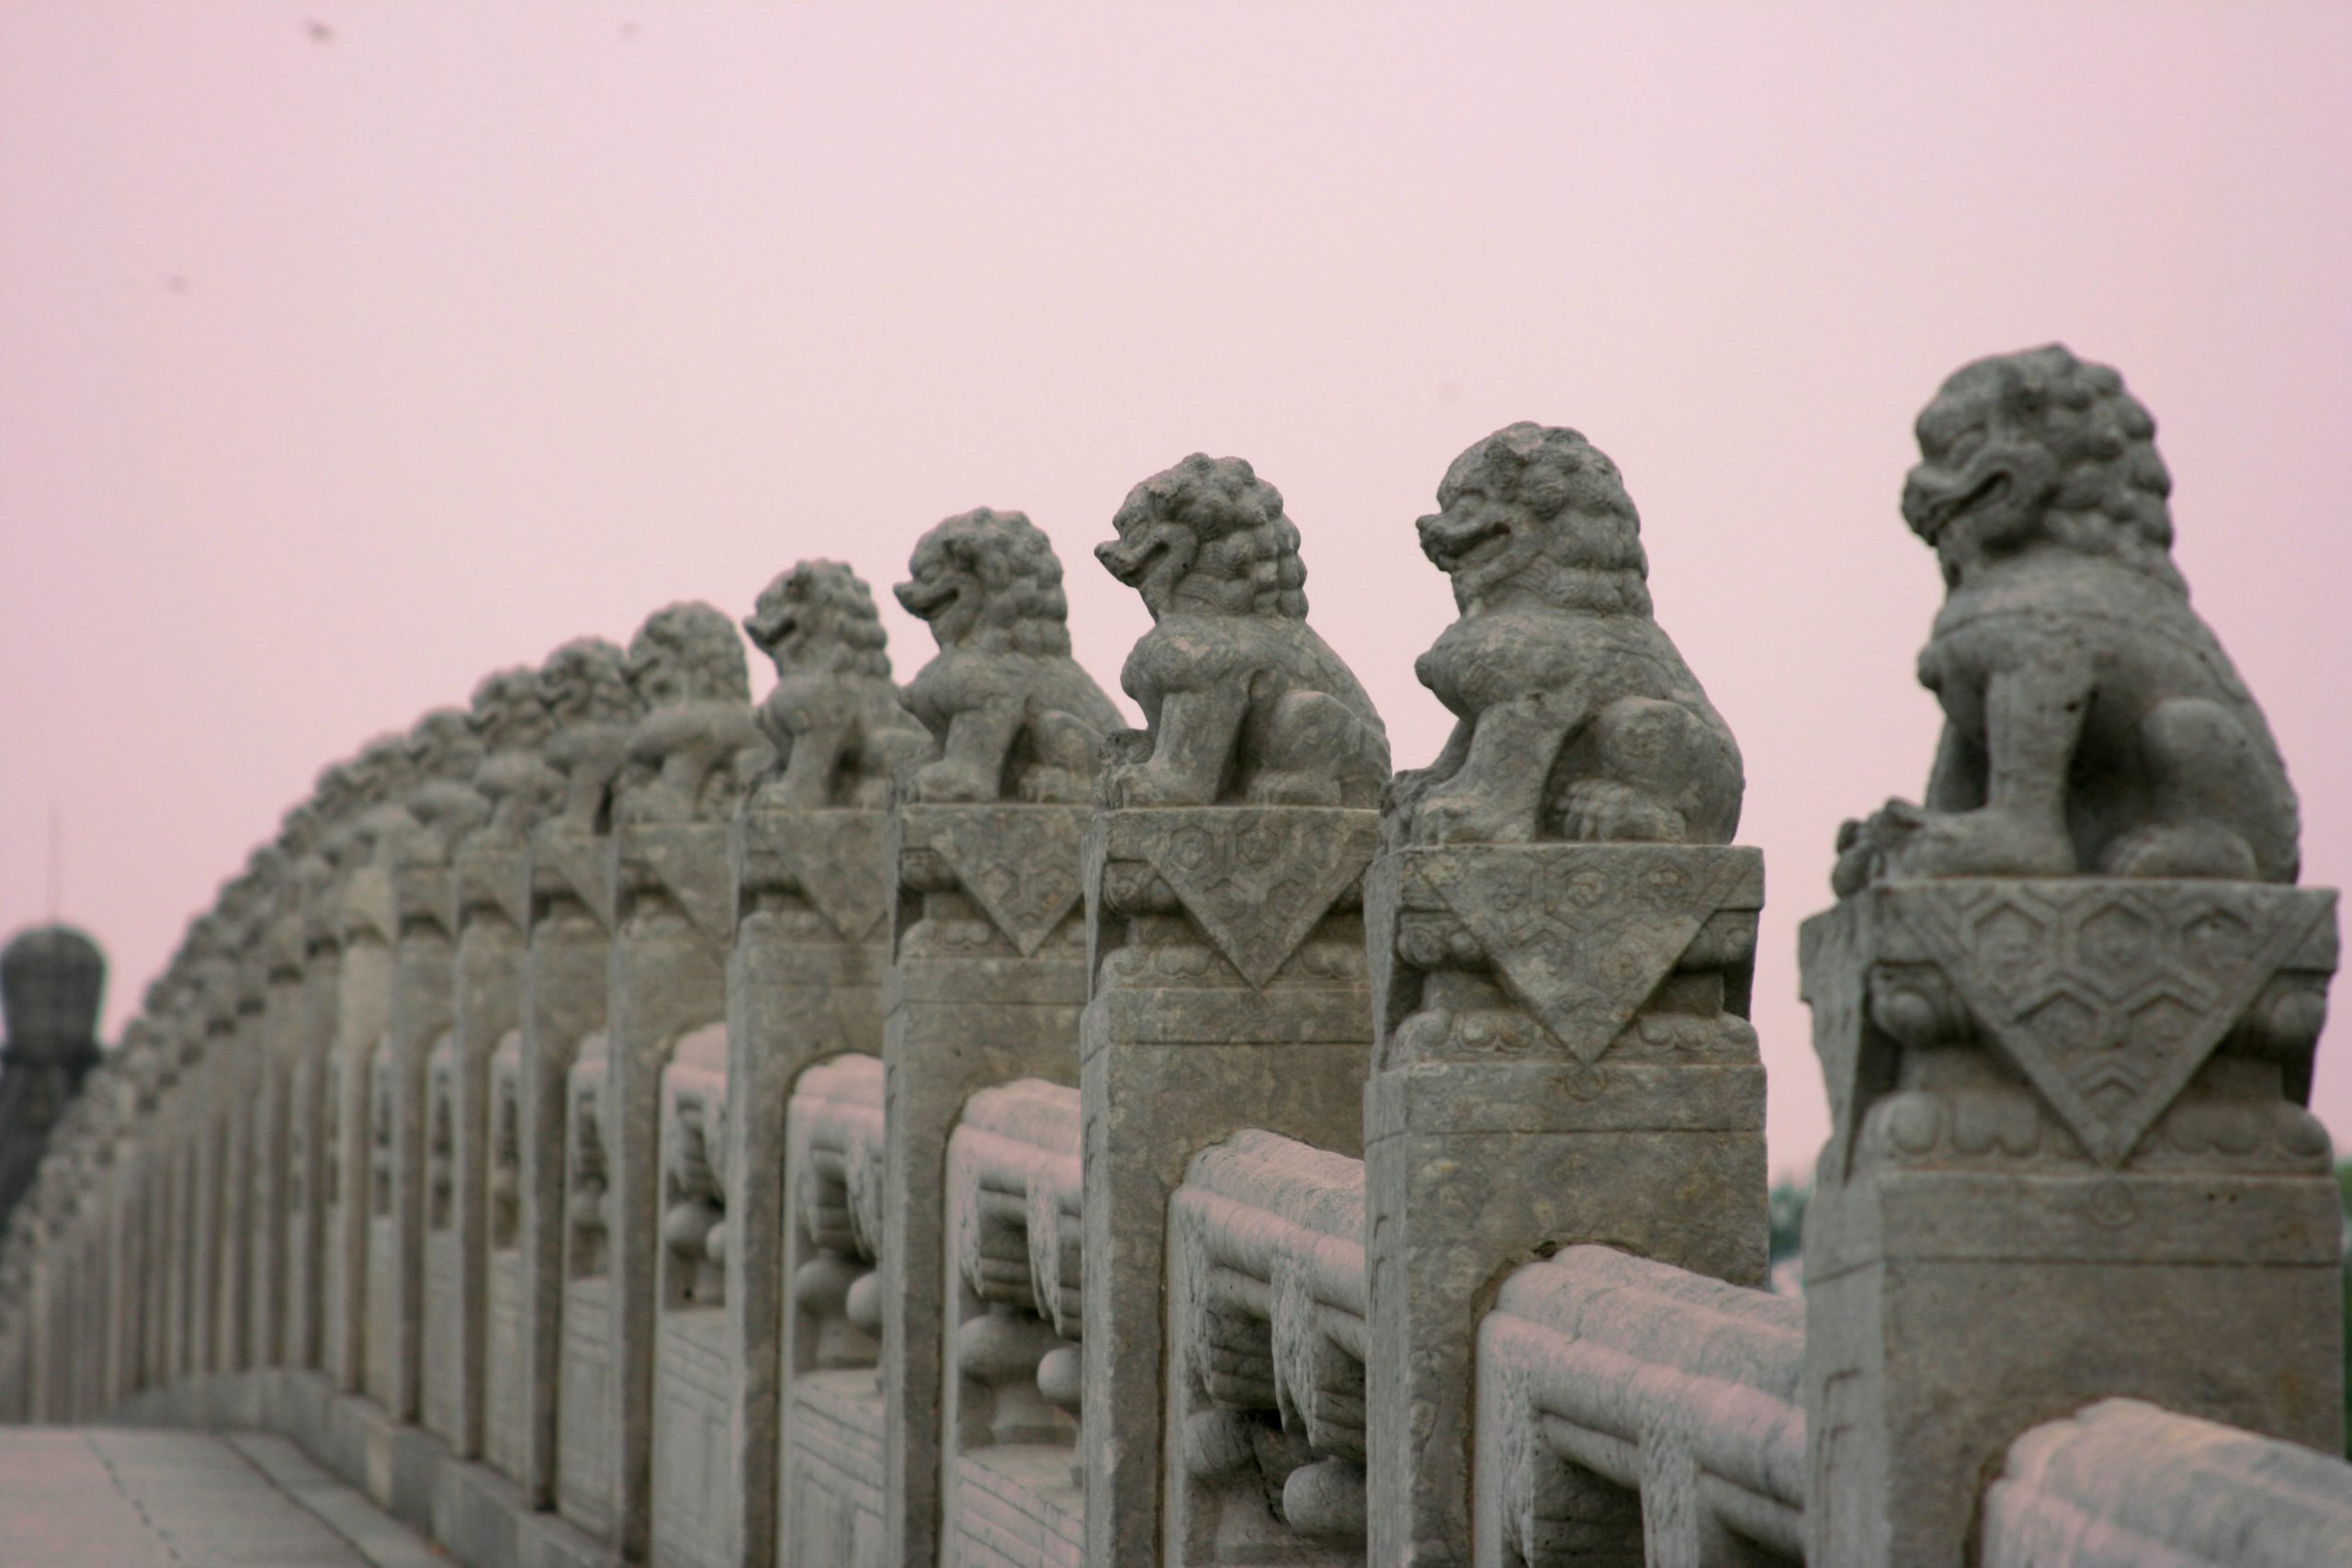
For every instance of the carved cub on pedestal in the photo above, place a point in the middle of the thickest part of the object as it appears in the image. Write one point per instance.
(1578, 719)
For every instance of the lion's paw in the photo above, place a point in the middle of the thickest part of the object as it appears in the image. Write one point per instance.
(1466, 819)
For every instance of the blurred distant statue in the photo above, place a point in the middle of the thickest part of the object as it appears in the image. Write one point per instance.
(51, 980)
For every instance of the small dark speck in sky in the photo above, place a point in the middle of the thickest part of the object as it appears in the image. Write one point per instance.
(319, 32)
(629, 31)
(176, 283)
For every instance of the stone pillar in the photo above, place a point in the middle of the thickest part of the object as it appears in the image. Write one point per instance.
(269, 1314)
(1224, 885)
(674, 896)
(240, 1085)
(987, 983)
(804, 983)
(1564, 1057)
(490, 912)
(2070, 1162)
(492, 894)
(206, 1109)
(988, 973)
(1562, 943)
(584, 687)
(668, 980)
(313, 1112)
(2066, 1006)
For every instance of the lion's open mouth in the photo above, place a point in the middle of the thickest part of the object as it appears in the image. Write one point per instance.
(1452, 552)
(928, 601)
(1131, 566)
(1942, 513)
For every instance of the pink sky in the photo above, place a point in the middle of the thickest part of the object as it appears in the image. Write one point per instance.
(336, 372)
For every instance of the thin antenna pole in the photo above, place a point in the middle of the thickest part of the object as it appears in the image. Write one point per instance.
(56, 856)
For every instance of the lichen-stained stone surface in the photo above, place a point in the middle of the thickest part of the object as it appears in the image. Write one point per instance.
(2067, 1010)
(1223, 883)
(805, 969)
(2092, 724)
(1562, 945)
(988, 951)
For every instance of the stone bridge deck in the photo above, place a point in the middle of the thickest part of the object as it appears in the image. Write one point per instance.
(100, 1497)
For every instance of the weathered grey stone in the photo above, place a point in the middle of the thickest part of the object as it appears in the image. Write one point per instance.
(444, 808)
(1266, 1310)
(490, 891)
(829, 1507)
(1009, 1469)
(365, 925)
(1224, 886)
(586, 688)
(690, 760)
(2065, 1015)
(280, 952)
(1561, 956)
(2081, 1094)
(2093, 724)
(988, 941)
(804, 972)
(2123, 1485)
(1629, 1411)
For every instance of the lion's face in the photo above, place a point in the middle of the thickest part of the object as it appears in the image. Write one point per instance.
(1153, 555)
(801, 618)
(445, 745)
(1481, 540)
(946, 589)
(687, 653)
(1984, 476)
(586, 682)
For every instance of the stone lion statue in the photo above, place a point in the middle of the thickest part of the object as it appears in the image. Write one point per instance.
(840, 732)
(1578, 717)
(1014, 716)
(2092, 724)
(585, 687)
(689, 755)
(1244, 703)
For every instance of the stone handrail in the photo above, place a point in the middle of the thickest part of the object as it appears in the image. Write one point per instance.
(1267, 1306)
(1015, 1221)
(1663, 1383)
(2127, 1483)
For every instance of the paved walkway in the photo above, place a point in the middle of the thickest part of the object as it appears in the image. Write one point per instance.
(105, 1497)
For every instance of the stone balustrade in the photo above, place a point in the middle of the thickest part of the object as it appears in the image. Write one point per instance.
(933, 1125)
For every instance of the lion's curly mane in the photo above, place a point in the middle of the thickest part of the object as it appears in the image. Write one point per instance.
(1025, 610)
(2112, 494)
(1554, 472)
(1248, 548)
(703, 643)
(838, 603)
(597, 672)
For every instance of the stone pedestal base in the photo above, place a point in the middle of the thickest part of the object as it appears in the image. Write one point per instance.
(1228, 991)
(1564, 1058)
(2068, 1164)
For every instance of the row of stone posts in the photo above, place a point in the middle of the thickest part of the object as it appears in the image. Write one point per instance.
(749, 1134)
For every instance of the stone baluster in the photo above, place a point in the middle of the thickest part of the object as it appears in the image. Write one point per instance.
(585, 689)
(688, 761)
(182, 1000)
(1562, 945)
(237, 1084)
(804, 974)
(204, 1123)
(2067, 1007)
(1223, 883)
(988, 941)
(132, 1260)
(158, 1294)
(489, 912)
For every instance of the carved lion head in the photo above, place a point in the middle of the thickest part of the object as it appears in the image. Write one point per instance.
(990, 578)
(586, 681)
(508, 712)
(819, 617)
(1208, 537)
(1538, 506)
(688, 653)
(2039, 444)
